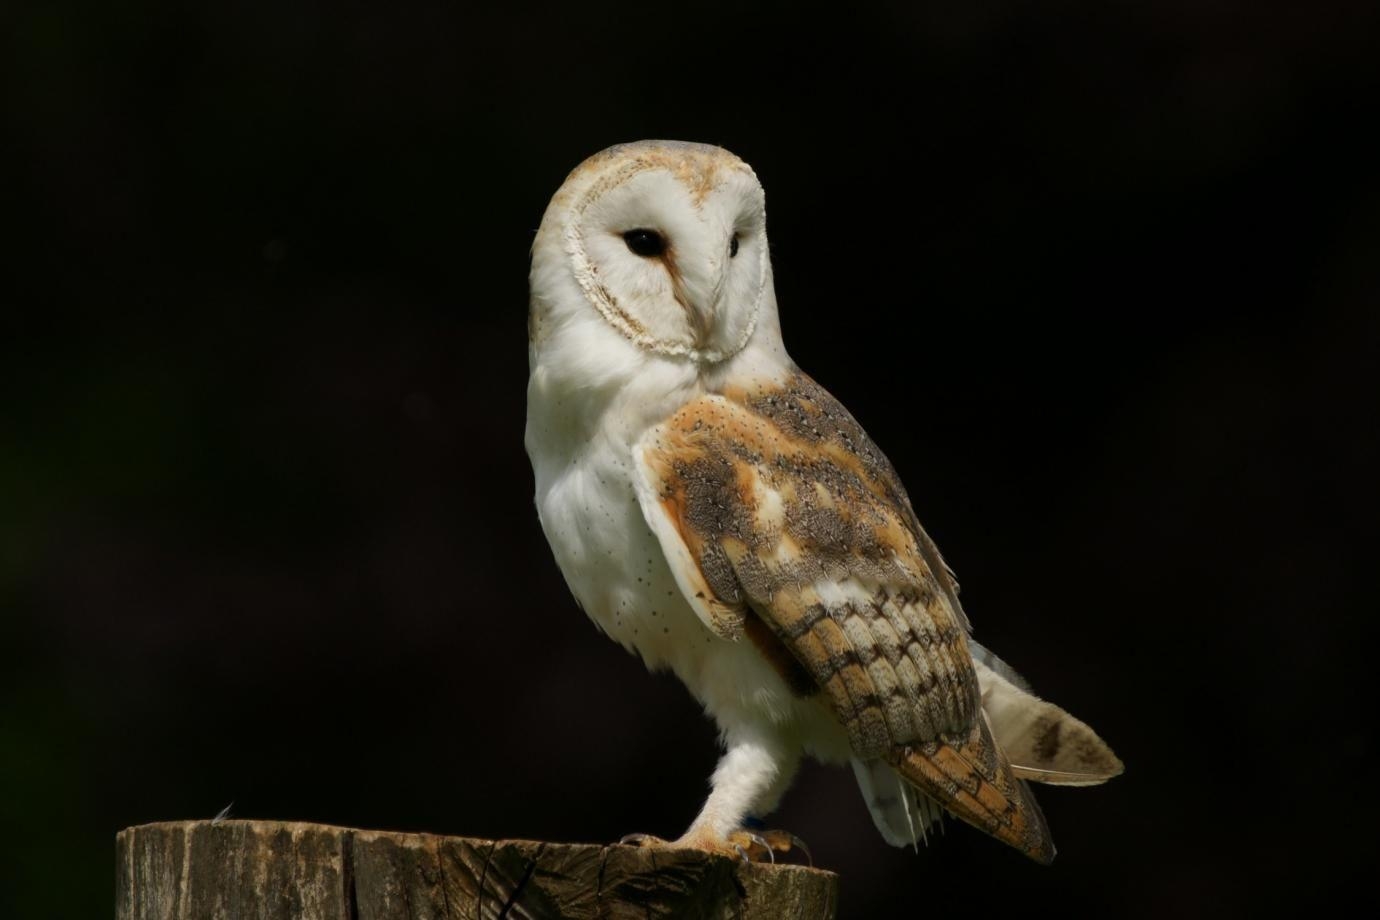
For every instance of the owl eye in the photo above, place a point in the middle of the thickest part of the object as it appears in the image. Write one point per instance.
(646, 243)
(733, 246)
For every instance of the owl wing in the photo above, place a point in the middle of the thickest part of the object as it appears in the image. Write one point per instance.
(784, 523)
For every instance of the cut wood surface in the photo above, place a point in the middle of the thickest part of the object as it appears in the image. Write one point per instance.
(204, 870)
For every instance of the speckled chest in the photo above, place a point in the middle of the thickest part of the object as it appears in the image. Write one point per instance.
(613, 563)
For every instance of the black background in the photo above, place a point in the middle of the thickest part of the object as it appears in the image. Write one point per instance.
(1100, 278)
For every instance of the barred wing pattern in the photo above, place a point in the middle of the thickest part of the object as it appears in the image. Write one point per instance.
(784, 523)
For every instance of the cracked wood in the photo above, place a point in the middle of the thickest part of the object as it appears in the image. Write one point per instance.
(268, 869)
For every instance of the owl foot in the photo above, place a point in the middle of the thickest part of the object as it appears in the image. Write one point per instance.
(747, 845)
(764, 845)
(695, 840)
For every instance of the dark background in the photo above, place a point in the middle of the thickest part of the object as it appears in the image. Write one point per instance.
(1102, 279)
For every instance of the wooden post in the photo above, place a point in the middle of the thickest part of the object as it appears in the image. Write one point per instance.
(270, 870)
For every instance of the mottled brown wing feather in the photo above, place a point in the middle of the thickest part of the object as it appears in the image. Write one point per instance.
(774, 506)
(971, 778)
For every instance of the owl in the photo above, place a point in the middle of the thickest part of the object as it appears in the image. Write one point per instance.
(716, 511)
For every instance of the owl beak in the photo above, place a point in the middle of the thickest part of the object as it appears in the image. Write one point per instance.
(699, 294)
(699, 323)
(703, 309)
(712, 297)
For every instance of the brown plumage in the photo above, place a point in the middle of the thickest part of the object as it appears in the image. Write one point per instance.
(777, 511)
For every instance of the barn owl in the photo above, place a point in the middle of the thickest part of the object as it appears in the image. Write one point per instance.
(716, 511)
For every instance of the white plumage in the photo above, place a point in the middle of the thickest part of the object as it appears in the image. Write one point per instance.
(716, 512)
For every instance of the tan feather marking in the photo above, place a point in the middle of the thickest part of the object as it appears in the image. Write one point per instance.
(698, 167)
(895, 706)
(769, 507)
(785, 497)
(818, 417)
(758, 536)
(833, 661)
(884, 634)
(634, 327)
(1043, 742)
(793, 516)
(914, 627)
(971, 778)
(726, 620)
(804, 623)
(696, 319)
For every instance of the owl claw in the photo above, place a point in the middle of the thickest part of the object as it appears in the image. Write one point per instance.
(759, 841)
(748, 845)
(785, 842)
(763, 845)
(729, 847)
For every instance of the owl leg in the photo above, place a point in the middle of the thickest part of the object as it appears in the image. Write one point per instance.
(765, 804)
(751, 778)
(745, 775)
(759, 842)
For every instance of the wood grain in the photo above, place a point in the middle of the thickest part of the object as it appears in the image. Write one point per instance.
(271, 870)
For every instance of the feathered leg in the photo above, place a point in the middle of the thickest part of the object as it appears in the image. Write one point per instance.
(749, 781)
(750, 778)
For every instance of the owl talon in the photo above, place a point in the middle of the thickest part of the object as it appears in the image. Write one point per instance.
(798, 844)
(762, 842)
(746, 846)
(763, 845)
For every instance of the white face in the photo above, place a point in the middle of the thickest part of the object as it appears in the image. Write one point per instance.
(668, 243)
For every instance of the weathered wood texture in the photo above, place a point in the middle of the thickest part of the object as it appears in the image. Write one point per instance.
(268, 870)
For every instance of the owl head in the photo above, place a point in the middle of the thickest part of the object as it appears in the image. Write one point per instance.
(660, 245)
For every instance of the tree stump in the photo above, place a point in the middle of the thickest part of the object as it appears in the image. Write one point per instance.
(267, 870)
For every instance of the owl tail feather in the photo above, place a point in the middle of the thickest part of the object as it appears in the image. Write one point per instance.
(971, 778)
(1041, 741)
(902, 813)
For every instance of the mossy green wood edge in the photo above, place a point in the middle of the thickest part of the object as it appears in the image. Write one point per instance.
(204, 870)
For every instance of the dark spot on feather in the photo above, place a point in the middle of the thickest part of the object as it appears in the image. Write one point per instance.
(1047, 739)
